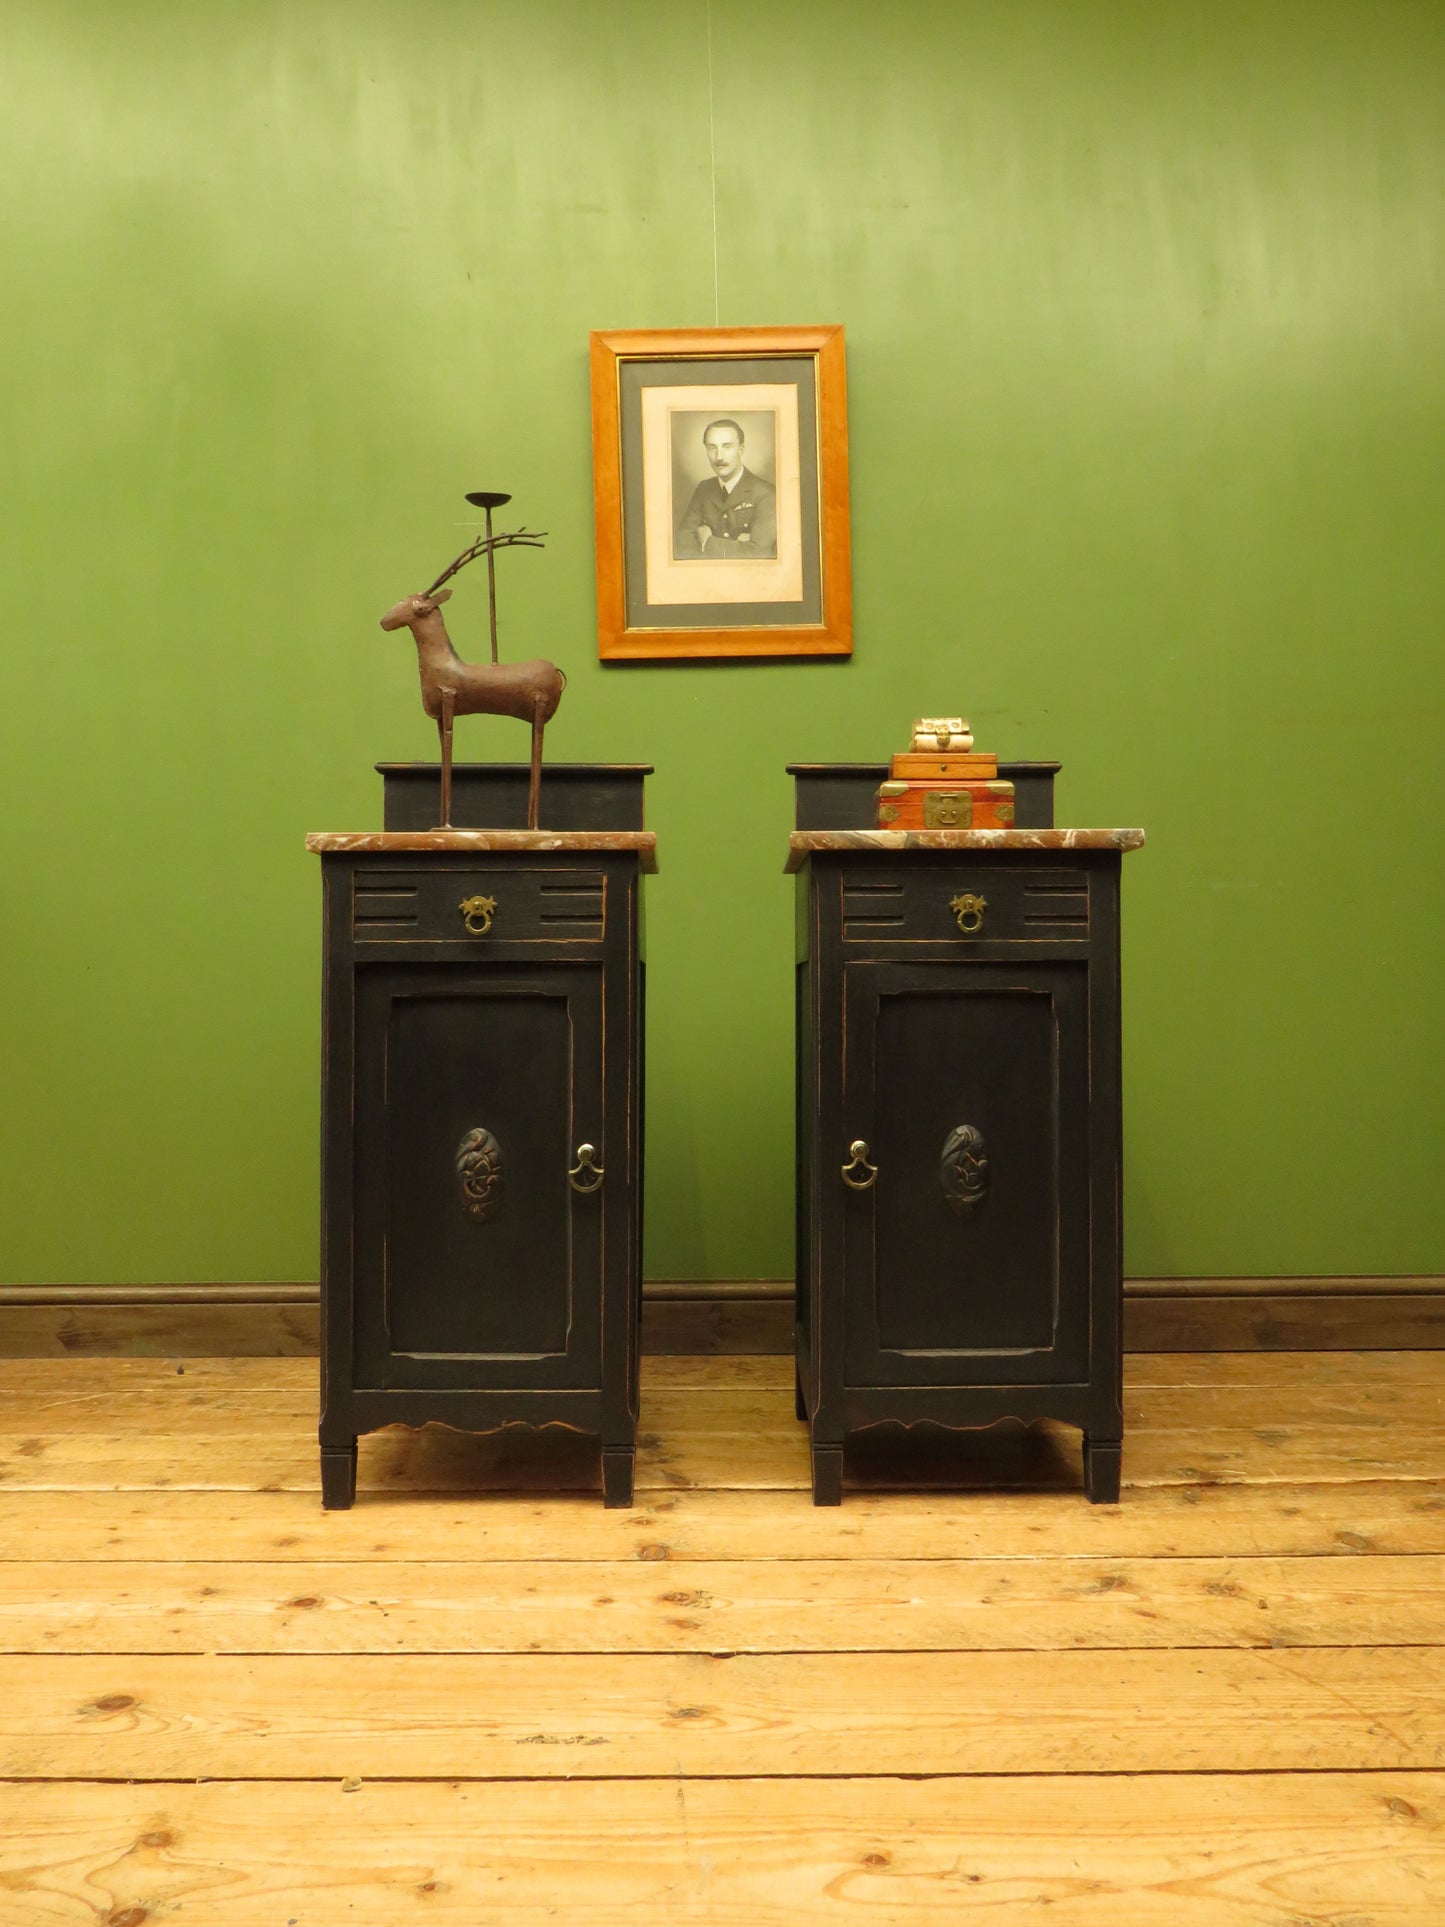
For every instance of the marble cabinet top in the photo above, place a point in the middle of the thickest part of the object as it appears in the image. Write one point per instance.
(804, 843)
(481, 842)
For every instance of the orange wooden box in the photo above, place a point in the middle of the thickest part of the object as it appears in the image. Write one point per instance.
(945, 806)
(913, 766)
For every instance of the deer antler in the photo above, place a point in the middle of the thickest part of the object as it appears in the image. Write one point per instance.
(519, 538)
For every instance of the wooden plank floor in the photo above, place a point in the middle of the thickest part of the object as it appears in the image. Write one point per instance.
(478, 1697)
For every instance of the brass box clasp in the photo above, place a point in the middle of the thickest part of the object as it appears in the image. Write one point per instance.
(947, 810)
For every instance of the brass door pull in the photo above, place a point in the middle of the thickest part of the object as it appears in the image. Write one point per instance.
(969, 911)
(585, 1168)
(477, 914)
(858, 1161)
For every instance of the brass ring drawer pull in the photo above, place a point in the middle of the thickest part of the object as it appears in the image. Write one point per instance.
(585, 1168)
(969, 911)
(477, 914)
(858, 1161)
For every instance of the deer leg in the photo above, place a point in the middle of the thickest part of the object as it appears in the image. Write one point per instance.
(534, 789)
(444, 730)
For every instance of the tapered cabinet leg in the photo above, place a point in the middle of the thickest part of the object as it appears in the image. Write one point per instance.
(1103, 1464)
(338, 1476)
(618, 1462)
(800, 1404)
(827, 1474)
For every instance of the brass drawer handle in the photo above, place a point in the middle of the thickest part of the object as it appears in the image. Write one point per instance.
(477, 914)
(969, 911)
(858, 1161)
(586, 1166)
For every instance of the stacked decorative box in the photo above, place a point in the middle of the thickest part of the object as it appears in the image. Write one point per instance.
(941, 782)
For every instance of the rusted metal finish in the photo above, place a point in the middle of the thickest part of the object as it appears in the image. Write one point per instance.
(486, 500)
(450, 687)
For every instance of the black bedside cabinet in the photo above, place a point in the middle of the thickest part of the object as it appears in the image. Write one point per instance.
(482, 1137)
(958, 1112)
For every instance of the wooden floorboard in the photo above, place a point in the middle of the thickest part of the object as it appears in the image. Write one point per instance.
(589, 1716)
(1383, 1516)
(478, 1696)
(251, 1426)
(1237, 1850)
(739, 1606)
(85, 1376)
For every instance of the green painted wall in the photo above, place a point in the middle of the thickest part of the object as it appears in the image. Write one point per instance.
(1144, 313)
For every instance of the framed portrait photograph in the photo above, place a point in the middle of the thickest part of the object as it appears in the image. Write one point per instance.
(720, 473)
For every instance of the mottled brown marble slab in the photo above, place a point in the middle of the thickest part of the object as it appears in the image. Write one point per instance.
(472, 842)
(803, 843)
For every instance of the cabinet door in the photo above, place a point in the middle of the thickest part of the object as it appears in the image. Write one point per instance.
(475, 1088)
(966, 1259)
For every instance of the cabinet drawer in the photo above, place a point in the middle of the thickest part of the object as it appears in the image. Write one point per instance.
(477, 905)
(954, 902)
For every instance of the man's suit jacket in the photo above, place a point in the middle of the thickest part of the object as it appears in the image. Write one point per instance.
(744, 523)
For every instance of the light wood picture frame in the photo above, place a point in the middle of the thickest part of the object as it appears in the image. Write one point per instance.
(720, 480)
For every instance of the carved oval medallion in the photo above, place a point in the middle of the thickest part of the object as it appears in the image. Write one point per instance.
(479, 1172)
(963, 1170)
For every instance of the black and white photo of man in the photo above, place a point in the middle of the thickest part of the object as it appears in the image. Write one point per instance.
(732, 515)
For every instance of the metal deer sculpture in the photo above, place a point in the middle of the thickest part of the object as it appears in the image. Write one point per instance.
(450, 687)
